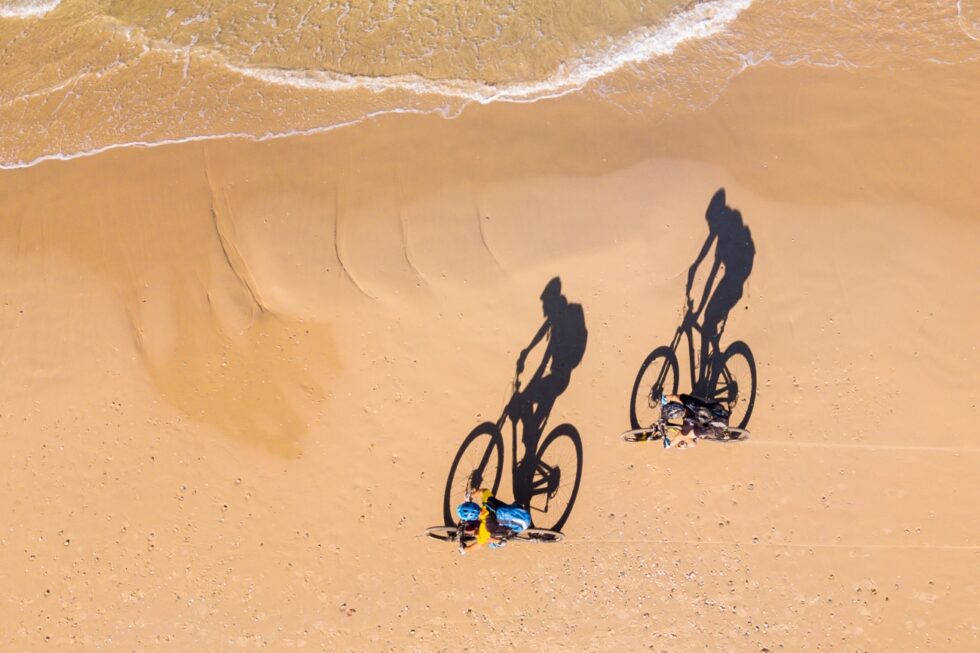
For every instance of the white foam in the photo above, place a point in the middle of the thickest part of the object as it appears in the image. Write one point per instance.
(700, 21)
(26, 8)
(970, 27)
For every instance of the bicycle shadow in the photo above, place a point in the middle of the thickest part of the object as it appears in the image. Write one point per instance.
(727, 376)
(734, 256)
(547, 475)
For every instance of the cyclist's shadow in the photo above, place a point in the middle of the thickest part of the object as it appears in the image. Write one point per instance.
(727, 376)
(547, 475)
(734, 256)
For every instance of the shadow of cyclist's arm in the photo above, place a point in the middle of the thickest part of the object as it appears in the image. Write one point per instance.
(693, 270)
(531, 345)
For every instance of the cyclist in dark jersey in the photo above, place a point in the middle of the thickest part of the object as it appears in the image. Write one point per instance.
(688, 418)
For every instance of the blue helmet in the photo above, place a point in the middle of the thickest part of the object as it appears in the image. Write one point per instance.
(468, 511)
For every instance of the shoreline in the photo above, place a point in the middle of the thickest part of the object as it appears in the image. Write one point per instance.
(909, 168)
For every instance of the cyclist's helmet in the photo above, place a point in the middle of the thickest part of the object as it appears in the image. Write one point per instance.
(468, 511)
(674, 410)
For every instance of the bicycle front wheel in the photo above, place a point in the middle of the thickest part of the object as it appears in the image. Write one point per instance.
(657, 376)
(479, 463)
(446, 534)
(642, 435)
(555, 479)
(735, 384)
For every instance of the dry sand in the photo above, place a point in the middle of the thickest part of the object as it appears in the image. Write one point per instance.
(235, 374)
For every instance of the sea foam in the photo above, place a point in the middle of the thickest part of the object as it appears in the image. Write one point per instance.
(26, 8)
(700, 21)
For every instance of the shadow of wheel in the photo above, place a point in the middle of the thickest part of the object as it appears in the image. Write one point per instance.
(556, 478)
(478, 463)
(735, 383)
(657, 376)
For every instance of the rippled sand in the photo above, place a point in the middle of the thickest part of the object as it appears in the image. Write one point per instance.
(235, 369)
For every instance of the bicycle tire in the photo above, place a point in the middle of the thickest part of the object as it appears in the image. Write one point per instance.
(633, 435)
(738, 435)
(539, 536)
(736, 394)
(547, 475)
(491, 459)
(726, 435)
(657, 376)
(445, 534)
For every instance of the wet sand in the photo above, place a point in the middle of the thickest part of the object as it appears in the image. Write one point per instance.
(235, 375)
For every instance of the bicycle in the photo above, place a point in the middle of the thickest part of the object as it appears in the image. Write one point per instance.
(728, 377)
(541, 480)
(709, 424)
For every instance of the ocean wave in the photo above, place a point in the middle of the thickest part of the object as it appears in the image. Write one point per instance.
(701, 21)
(26, 8)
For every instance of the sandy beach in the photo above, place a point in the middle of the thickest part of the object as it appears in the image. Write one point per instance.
(235, 370)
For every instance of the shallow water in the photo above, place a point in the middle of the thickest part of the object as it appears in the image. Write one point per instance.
(80, 76)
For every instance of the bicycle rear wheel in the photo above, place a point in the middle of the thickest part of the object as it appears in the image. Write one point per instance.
(735, 384)
(479, 463)
(539, 536)
(726, 435)
(657, 376)
(737, 435)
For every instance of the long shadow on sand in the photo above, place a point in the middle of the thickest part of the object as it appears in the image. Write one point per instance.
(726, 376)
(546, 477)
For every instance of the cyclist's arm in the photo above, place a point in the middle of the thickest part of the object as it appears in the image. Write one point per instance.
(472, 545)
(480, 495)
(708, 242)
(683, 442)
